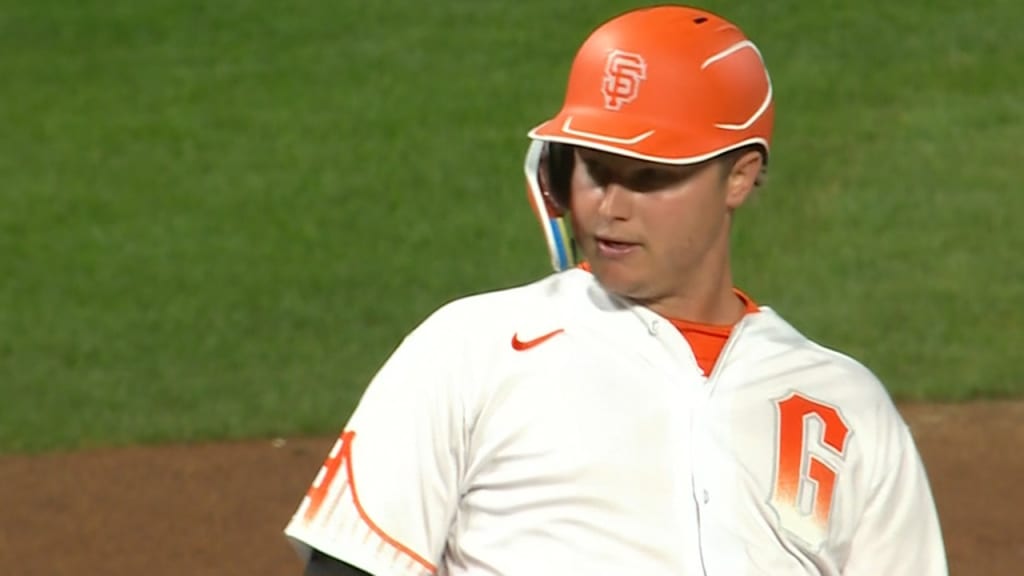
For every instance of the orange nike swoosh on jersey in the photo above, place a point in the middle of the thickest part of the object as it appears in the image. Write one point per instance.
(521, 345)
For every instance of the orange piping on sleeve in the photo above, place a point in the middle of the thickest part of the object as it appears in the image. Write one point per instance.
(317, 494)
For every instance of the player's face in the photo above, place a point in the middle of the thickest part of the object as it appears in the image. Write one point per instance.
(652, 232)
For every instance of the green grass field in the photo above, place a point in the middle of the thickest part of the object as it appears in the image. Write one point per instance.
(217, 219)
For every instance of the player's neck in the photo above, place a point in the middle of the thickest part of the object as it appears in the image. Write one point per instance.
(713, 301)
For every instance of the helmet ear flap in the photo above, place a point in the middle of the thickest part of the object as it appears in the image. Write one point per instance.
(548, 170)
(557, 171)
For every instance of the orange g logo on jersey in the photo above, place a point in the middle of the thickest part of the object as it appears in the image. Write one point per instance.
(809, 434)
(623, 72)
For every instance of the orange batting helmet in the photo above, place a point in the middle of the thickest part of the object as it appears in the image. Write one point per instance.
(669, 84)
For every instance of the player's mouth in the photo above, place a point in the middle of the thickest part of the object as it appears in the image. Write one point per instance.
(614, 248)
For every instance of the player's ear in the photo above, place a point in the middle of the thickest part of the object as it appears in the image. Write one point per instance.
(742, 174)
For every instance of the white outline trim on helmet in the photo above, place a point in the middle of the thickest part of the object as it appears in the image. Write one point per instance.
(568, 129)
(729, 52)
(767, 99)
(676, 160)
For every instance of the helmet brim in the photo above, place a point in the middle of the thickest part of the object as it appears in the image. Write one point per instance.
(636, 139)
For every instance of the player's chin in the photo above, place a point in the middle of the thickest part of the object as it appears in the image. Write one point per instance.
(620, 277)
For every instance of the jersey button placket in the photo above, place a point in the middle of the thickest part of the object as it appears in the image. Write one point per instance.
(654, 328)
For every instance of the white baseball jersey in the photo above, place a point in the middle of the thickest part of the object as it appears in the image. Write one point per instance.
(556, 429)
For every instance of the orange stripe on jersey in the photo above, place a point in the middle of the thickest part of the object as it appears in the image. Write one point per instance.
(318, 491)
(342, 454)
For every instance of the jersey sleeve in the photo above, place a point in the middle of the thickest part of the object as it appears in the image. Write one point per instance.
(899, 534)
(387, 493)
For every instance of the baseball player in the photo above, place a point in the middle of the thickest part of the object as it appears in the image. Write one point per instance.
(634, 412)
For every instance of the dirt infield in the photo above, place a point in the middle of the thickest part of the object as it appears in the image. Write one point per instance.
(219, 509)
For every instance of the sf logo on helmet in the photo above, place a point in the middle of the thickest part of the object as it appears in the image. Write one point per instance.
(623, 72)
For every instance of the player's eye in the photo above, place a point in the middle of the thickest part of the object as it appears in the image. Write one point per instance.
(639, 178)
(650, 179)
(600, 174)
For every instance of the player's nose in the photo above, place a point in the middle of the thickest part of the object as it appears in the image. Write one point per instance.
(616, 202)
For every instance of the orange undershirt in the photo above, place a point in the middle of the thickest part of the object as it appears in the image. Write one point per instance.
(706, 340)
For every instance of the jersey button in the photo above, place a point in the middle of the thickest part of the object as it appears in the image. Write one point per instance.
(652, 328)
(706, 496)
